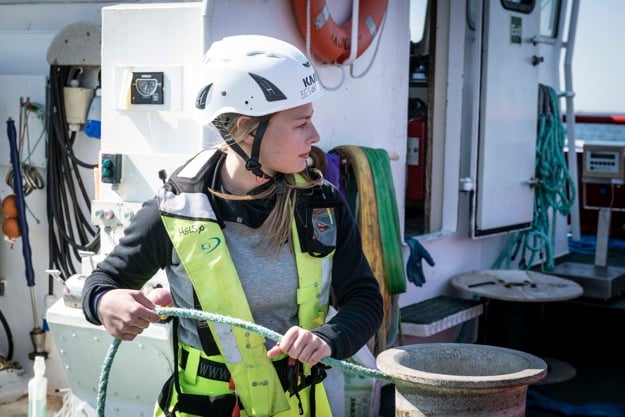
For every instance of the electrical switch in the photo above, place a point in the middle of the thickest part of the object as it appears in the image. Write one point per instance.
(111, 168)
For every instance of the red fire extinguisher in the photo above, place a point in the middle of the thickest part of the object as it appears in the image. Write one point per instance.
(415, 157)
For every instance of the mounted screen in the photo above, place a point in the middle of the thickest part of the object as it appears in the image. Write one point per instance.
(521, 6)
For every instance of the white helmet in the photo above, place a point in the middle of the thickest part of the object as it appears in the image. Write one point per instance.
(254, 75)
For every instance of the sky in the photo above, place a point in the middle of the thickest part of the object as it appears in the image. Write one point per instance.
(599, 57)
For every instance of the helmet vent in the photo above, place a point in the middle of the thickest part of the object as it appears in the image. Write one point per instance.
(271, 92)
(200, 101)
(265, 54)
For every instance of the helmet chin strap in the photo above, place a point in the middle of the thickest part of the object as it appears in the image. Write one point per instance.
(253, 163)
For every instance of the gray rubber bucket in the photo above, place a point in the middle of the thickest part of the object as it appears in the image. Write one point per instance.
(460, 379)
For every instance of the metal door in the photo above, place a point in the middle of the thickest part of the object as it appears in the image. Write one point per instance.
(508, 116)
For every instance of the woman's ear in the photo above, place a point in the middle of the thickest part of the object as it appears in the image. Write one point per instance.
(249, 138)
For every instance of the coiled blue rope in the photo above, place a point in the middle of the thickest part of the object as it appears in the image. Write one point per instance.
(218, 318)
(554, 192)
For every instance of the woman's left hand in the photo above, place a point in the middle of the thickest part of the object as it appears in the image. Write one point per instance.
(301, 344)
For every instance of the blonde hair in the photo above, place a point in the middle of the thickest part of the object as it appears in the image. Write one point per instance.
(277, 226)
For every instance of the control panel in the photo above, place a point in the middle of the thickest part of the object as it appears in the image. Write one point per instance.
(111, 168)
(604, 163)
(111, 215)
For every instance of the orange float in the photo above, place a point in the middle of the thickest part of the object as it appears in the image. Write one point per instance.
(11, 227)
(331, 42)
(9, 206)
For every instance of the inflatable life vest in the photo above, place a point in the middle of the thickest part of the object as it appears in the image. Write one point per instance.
(331, 42)
(197, 237)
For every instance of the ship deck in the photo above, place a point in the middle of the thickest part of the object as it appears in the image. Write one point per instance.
(584, 334)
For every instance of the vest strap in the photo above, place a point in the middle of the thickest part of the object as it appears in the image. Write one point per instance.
(202, 405)
(205, 367)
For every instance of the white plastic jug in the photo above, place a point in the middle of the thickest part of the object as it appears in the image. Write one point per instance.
(38, 390)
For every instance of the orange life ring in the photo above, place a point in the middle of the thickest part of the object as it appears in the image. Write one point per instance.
(331, 42)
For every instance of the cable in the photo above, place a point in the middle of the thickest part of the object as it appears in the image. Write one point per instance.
(7, 331)
(31, 179)
(218, 318)
(69, 205)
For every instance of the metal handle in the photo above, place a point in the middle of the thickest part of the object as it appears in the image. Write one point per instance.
(533, 182)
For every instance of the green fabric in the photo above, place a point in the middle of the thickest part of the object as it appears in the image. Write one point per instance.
(388, 218)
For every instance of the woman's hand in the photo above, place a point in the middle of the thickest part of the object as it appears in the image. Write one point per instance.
(160, 297)
(303, 345)
(126, 313)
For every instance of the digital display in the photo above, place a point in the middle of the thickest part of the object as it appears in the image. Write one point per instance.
(604, 163)
(603, 155)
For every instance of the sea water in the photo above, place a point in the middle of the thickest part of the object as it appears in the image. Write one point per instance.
(600, 132)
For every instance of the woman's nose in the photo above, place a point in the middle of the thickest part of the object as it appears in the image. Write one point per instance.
(314, 137)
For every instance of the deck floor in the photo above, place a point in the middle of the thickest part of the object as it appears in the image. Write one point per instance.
(588, 334)
(19, 408)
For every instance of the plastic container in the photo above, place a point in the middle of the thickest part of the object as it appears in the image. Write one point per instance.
(92, 128)
(77, 101)
(38, 390)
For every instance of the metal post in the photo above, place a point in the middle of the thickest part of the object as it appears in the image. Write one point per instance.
(570, 116)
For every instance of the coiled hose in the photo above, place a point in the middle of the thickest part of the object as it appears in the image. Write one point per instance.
(218, 318)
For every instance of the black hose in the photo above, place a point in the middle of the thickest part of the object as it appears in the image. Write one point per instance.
(68, 203)
(7, 330)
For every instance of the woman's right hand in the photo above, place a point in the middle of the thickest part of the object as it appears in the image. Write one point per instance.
(126, 313)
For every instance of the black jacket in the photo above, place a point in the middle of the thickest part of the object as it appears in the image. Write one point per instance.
(145, 248)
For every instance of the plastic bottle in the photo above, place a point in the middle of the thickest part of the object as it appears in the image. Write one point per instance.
(38, 390)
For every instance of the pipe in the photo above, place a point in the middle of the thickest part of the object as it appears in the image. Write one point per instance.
(207, 39)
(570, 117)
(207, 17)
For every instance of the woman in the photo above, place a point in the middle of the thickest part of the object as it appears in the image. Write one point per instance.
(247, 231)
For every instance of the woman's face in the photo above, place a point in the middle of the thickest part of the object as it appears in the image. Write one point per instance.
(286, 144)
